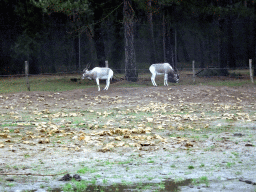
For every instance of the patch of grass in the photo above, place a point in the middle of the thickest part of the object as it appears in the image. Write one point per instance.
(94, 181)
(201, 180)
(205, 136)
(235, 154)
(229, 164)
(161, 185)
(98, 176)
(126, 182)
(191, 167)
(86, 169)
(238, 173)
(228, 83)
(108, 162)
(81, 186)
(63, 83)
(10, 184)
(11, 130)
(68, 187)
(150, 178)
(26, 155)
(211, 148)
(15, 167)
(173, 135)
(125, 162)
(8, 125)
(187, 172)
(105, 181)
(40, 83)
(145, 187)
(178, 180)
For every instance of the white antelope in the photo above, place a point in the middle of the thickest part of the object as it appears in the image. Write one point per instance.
(163, 69)
(98, 73)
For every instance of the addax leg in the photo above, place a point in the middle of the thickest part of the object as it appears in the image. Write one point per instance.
(107, 84)
(165, 79)
(153, 80)
(98, 83)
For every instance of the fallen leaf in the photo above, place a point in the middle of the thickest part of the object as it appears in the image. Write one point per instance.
(118, 138)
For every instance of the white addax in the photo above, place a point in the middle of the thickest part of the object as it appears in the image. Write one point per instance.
(98, 73)
(163, 69)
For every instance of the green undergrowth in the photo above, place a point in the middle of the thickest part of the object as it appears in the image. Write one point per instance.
(71, 82)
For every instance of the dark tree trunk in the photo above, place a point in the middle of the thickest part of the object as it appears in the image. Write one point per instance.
(92, 57)
(184, 48)
(248, 51)
(151, 29)
(130, 59)
(254, 41)
(169, 48)
(222, 57)
(33, 66)
(164, 31)
(230, 52)
(168, 42)
(202, 49)
(210, 53)
(118, 46)
(98, 36)
(99, 44)
(76, 48)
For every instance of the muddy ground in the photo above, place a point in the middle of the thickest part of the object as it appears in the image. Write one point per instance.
(130, 136)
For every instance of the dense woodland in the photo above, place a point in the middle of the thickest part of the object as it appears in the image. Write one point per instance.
(65, 35)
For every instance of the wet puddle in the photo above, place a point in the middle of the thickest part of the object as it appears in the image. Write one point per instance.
(166, 185)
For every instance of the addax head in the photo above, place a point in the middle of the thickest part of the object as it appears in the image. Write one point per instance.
(176, 77)
(86, 72)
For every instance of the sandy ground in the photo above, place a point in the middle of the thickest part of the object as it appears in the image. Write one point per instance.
(44, 135)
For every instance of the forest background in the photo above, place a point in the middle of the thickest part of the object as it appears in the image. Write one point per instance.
(64, 35)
